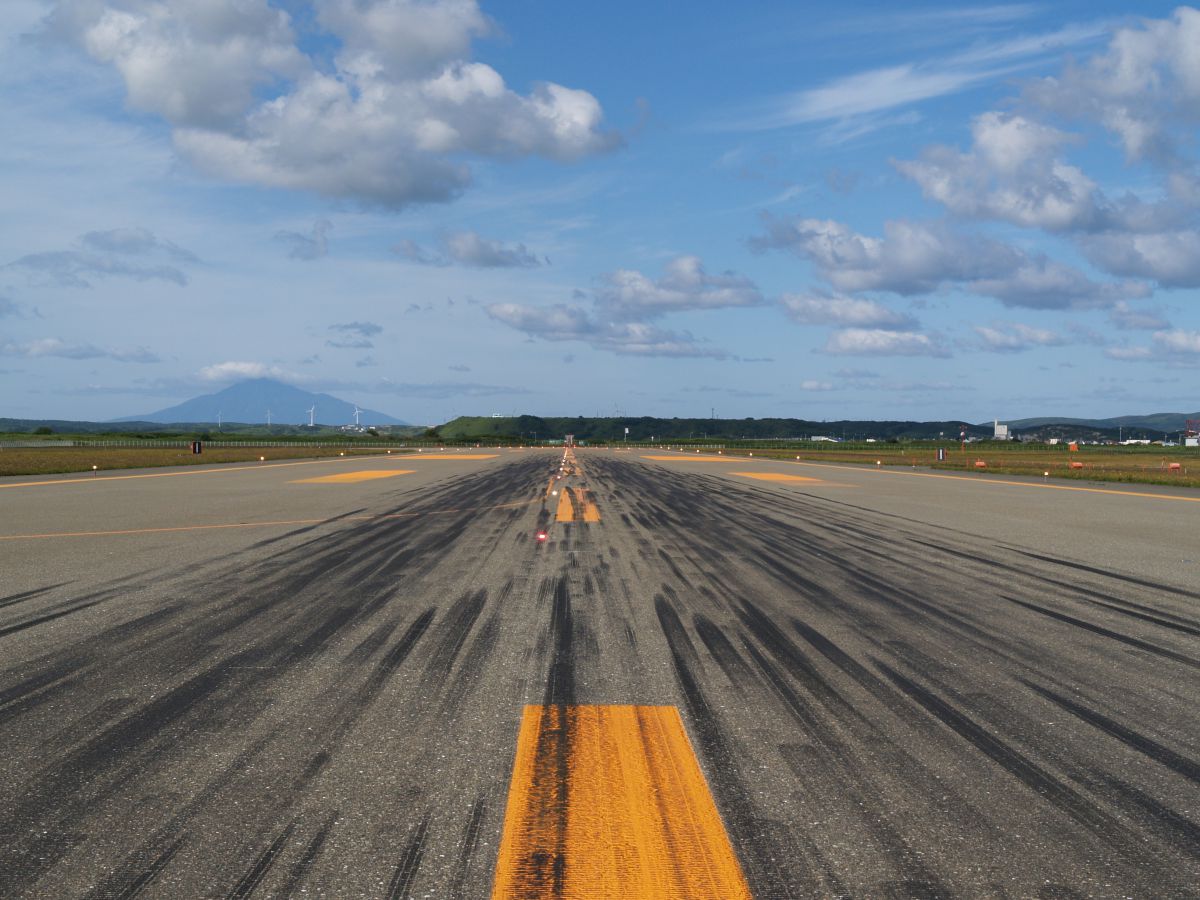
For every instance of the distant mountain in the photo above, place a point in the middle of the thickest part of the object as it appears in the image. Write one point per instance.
(1165, 422)
(248, 401)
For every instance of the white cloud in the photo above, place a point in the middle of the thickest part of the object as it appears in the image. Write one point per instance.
(1012, 173)
(866, 94)
(135, 242)
(814, 385)
(1129, 353)
(63, 350)
(1127, 318)
(844, 311)
(467, 248)
(881, 342)
(1041, 283)
(1170, 258)
(917, 258)
(1015, 337)
(1145, 88)
(685, 285)
(1178, 341)
(239, 371)
(387, 123)
(103, 255)
(911, 257)
(572, 323)
(307, 246)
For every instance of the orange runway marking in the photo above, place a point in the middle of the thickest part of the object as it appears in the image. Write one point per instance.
(609, 801)
(696, 458)
(591, 512)
(352, 477)
(776, 476)
(566, 509)
(99, 479)
(417, 457)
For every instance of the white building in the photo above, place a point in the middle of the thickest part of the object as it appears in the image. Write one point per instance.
(1000, 431)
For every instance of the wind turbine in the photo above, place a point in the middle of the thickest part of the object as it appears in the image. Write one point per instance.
(356, 413)
(311, 412)
(268, 418)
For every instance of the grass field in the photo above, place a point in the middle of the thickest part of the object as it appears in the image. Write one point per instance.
(56, 460)
(1138, 465)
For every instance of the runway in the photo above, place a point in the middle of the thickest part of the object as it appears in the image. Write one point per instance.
(714, 677)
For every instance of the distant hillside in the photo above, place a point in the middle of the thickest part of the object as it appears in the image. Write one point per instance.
(1164, 422)
(249, 401)
(646, 428)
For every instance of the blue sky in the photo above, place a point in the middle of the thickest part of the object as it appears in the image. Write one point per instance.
(442, 208)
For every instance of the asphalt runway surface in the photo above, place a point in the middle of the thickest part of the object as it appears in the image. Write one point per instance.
(713, 678)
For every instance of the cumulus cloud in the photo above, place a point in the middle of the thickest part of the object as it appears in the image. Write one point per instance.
(843, 311)
(561, 322)
(386, 121)
(1145, 88)
(1042, 283)
(1015, 337)
(911, 257)
(1170, 258)
(685, 285)
(882, 342)
(1012, 173)
(59, 348)
(918, 258)
(239, 371)
(466, 248)
(1178, 341)
(618, 318)
(1128, 318)
(307, 246)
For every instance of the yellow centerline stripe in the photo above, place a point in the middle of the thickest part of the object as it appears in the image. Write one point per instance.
(609, 801)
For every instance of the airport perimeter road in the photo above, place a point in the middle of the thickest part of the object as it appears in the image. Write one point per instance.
(713, 679)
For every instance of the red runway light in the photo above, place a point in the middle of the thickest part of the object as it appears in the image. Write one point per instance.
(541, 535)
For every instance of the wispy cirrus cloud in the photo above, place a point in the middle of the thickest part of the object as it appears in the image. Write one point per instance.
(114, 253)
(873, 92)
(313, 245)
(56, 347)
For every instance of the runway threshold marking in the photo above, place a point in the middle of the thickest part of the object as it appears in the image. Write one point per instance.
(352, 477)
(609, 801)
(591, 512)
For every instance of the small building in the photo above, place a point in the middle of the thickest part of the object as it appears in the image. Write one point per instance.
(1000, 432)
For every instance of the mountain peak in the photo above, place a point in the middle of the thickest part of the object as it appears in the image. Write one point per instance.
(250, 401)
